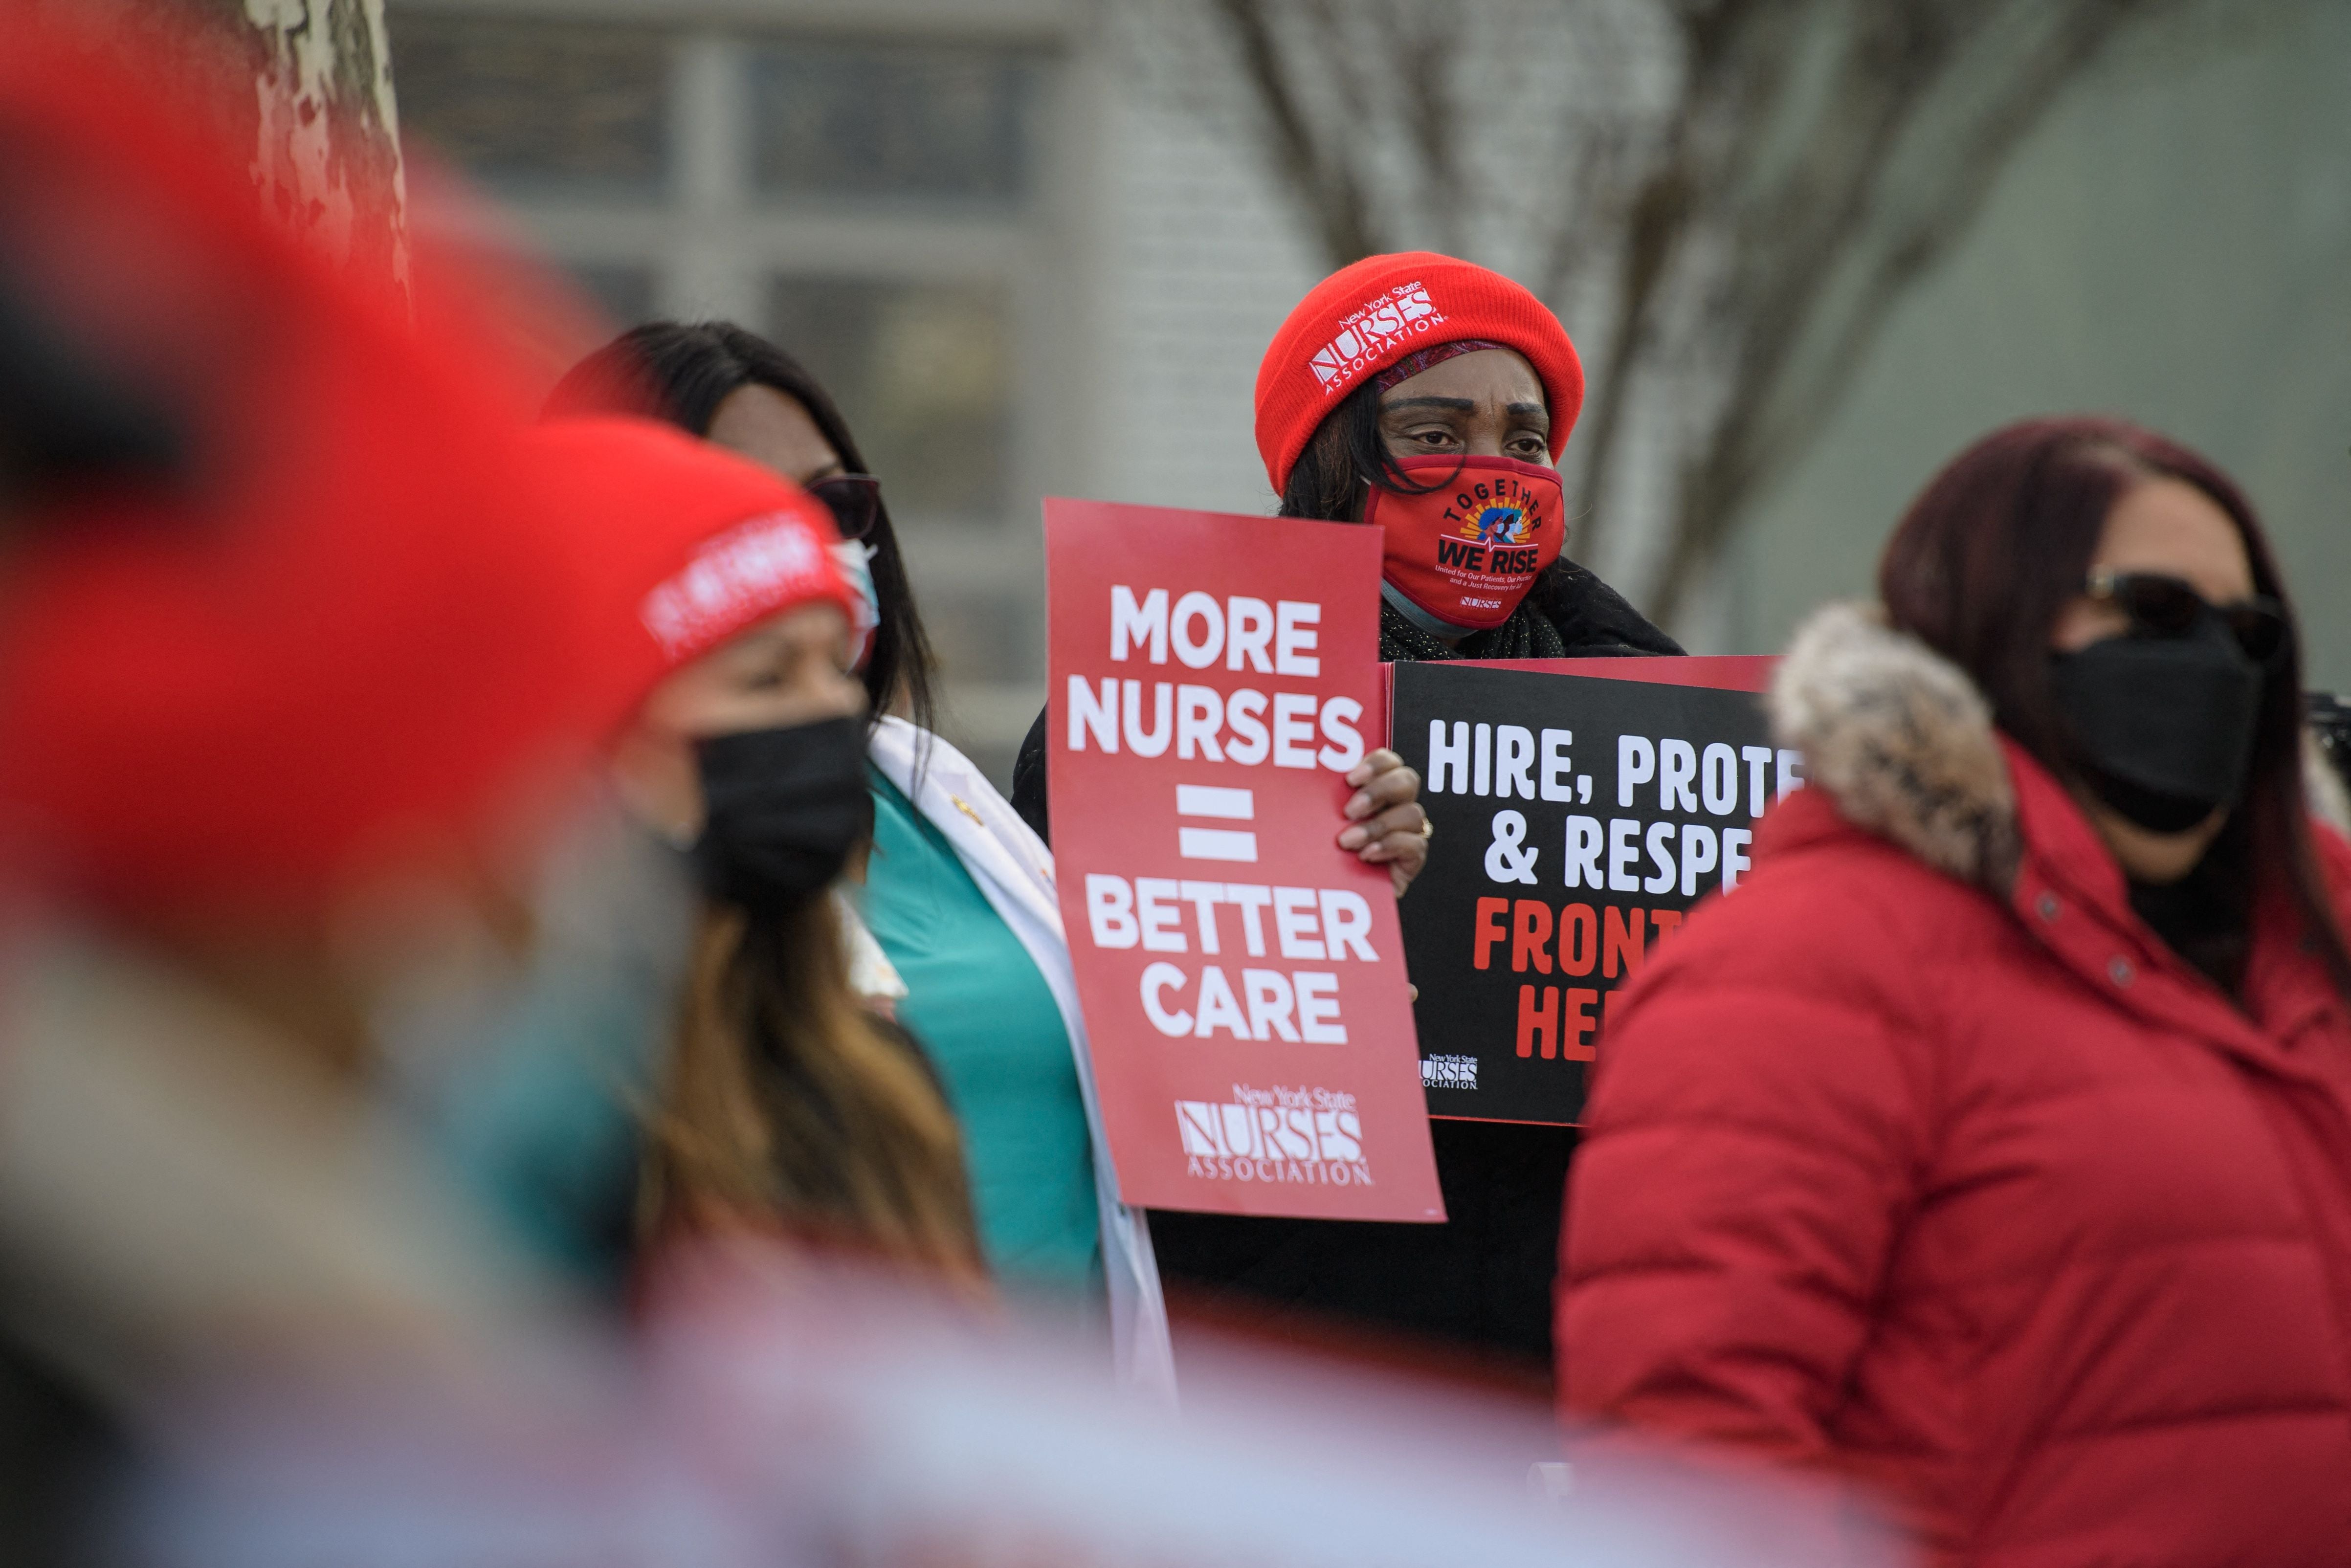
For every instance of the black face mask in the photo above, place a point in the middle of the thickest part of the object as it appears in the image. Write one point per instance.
(784, 807)
(2163, 726)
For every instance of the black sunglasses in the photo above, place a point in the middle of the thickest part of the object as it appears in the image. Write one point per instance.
(854, 499)
(2162, 606)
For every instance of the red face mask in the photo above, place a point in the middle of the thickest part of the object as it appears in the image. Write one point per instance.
(1468, 551)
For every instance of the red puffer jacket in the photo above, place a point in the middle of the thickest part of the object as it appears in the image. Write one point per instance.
(1920, 1156)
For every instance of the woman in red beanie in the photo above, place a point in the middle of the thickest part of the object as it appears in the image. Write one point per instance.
(1993, 1141)
(1396, 382)
(1396, 378)
(735, 637)
(956, 916)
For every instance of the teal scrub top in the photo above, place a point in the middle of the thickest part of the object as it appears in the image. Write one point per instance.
(976, 1001)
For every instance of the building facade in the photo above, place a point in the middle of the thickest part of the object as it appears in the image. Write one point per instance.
(1034, 251)
(1019, 269)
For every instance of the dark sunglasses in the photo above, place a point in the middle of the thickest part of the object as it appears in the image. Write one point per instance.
(854, 499)
(2161, 606)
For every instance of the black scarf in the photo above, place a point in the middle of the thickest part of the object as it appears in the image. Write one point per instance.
(2207, 916)
(1568, 614)
(1527, 634)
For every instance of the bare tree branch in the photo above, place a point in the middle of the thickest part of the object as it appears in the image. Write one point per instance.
(1331, 191)
(1734, 239)
(1791, 236)
(1660, 216)
(1781, 397)
(1423, 66)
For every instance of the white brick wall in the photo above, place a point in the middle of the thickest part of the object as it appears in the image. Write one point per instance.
(1201, 263)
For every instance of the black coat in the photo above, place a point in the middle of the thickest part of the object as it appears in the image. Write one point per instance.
(1482, 1280)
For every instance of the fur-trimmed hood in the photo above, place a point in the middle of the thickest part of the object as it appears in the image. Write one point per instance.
(1903, 740)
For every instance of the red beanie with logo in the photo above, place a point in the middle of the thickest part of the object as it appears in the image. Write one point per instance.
(1364, 318)
(681, 545)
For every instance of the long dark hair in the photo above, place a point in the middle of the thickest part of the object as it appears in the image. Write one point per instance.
(2001, 541)
(1346, 457)
(786, 1101)
(681, 374)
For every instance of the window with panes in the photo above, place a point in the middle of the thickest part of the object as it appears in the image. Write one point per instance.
(871, 203)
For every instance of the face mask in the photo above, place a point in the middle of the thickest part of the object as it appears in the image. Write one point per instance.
(2164, 724)
(1465, 553)
(784, 807)
(856, 561)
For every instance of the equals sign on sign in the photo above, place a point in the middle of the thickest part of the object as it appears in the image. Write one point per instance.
(1223, 805)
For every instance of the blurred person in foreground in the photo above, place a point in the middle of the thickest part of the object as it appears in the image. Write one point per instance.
(1459, 389)
(300, 1139)
(735, 638)
(956, 891)
(277, 697)
(1993, 1139)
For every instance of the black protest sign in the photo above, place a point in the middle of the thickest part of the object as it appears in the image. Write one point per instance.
(1576, 820)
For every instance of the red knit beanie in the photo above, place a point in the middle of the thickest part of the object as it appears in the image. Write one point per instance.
(1364, 318)
(332, 634)
(682, 544)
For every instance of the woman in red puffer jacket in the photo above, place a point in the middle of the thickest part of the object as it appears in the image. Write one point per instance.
(1992, 1142)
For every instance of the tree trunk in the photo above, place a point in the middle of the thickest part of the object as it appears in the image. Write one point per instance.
(307, 86)
(327, 148)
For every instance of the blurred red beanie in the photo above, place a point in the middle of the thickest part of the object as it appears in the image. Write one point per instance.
(330, 631)
(1364, 318)
(681, 545)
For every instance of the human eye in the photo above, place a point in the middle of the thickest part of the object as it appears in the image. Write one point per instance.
(770, 670)
(1430, 437)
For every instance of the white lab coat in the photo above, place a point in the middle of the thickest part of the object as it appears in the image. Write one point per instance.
(1015, 873)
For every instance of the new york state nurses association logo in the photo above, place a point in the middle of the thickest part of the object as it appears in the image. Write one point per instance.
(1403, 313)
(1313, 1136)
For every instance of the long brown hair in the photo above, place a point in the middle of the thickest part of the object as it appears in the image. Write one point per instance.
(2001, 541)
(788, 1104)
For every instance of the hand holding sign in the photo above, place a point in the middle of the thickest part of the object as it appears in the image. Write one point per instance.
(1241, 973)
(1389, 826)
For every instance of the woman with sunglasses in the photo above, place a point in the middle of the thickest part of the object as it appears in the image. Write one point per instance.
(1992, 1142)
(960, 934)
(1450, 372)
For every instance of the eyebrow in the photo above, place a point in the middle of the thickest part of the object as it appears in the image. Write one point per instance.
(1463, 405)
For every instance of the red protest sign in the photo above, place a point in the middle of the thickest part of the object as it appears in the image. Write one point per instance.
(1242, 977)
